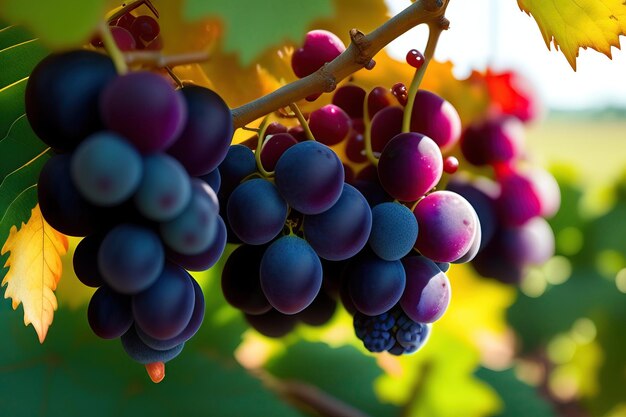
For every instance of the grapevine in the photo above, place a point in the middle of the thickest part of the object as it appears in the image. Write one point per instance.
(353, 207)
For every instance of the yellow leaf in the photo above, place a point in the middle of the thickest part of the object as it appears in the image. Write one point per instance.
(34, 270)
(572, 24)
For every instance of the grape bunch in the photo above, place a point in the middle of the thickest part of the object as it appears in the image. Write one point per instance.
(512, 209)
(129, 154)
(133, 33)
(317, 229)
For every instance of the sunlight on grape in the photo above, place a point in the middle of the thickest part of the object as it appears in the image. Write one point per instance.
(561, 349)
(534, 283)
(570, 240)
(620, 280)
(557, 270)
(563, 383)
(609, 263)
(584, 331)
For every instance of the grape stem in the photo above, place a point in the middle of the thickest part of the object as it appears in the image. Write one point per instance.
(367, 138)
(358, 55)
(305, 126)
(434, 31)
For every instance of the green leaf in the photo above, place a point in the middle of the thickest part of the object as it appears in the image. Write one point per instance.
(252, 26)
(519, 399)
(345, 373)
(22, 153)
(59, 23)
(77, 374)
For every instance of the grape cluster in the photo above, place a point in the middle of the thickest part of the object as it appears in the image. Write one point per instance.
(315, 229)
(127, 151)
(132, 33)
(512, 209)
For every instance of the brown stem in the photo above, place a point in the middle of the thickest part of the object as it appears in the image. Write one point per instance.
(358, 55)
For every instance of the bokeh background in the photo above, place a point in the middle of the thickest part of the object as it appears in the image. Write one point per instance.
(554, 346)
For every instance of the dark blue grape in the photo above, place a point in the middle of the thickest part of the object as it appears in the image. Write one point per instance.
(192, 327)
(394, 231)
(60, 202)
(142, 353)
(85, 260)
(206, 259)
(62, 96)
(411, 335)
(310, 177)
(205, 139)
(130, 258)
(214, 179)
(165, 189)
(256, 211)
(194, 229)
(341, 231)
(291, 274)
(165, 309)
(272, 323)
(241, 284)
(375, 285)
(375, 332)
(320, 311)
(106, 169)
(237, 165)
(109, 313)
(444, 266)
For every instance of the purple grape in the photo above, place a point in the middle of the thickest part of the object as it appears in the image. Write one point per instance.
(310, 177)
(410, 165)
(272, 323)
(256, 211)
(165, 189)
(61, 204)
(427, 293)
(329, 124)
(109, 313)
(275, 128)
(368, 184)
(164, 310)
(207, 133)
(123, 39)
(145, 29)
(482, 195)
(142, 353)
(529, 244)
(241, 283)
(320, 47)
(298, 133)
(490, 262)
(143, 107)
(192, 327)
(206, 259)
(106, 169)
(375, 285)
(476, 243)
(350, 98)
(410, 335)
(341, 231)
(525, 195)
(85, 261)
(436, 118)
(386, 125)
(447, 226)
(62, 95)
(355, 147)
(194, 229)
(394, 231)
(291, 274)
(130, 258)
(378, 99)
(274, 147)
(499, 139)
